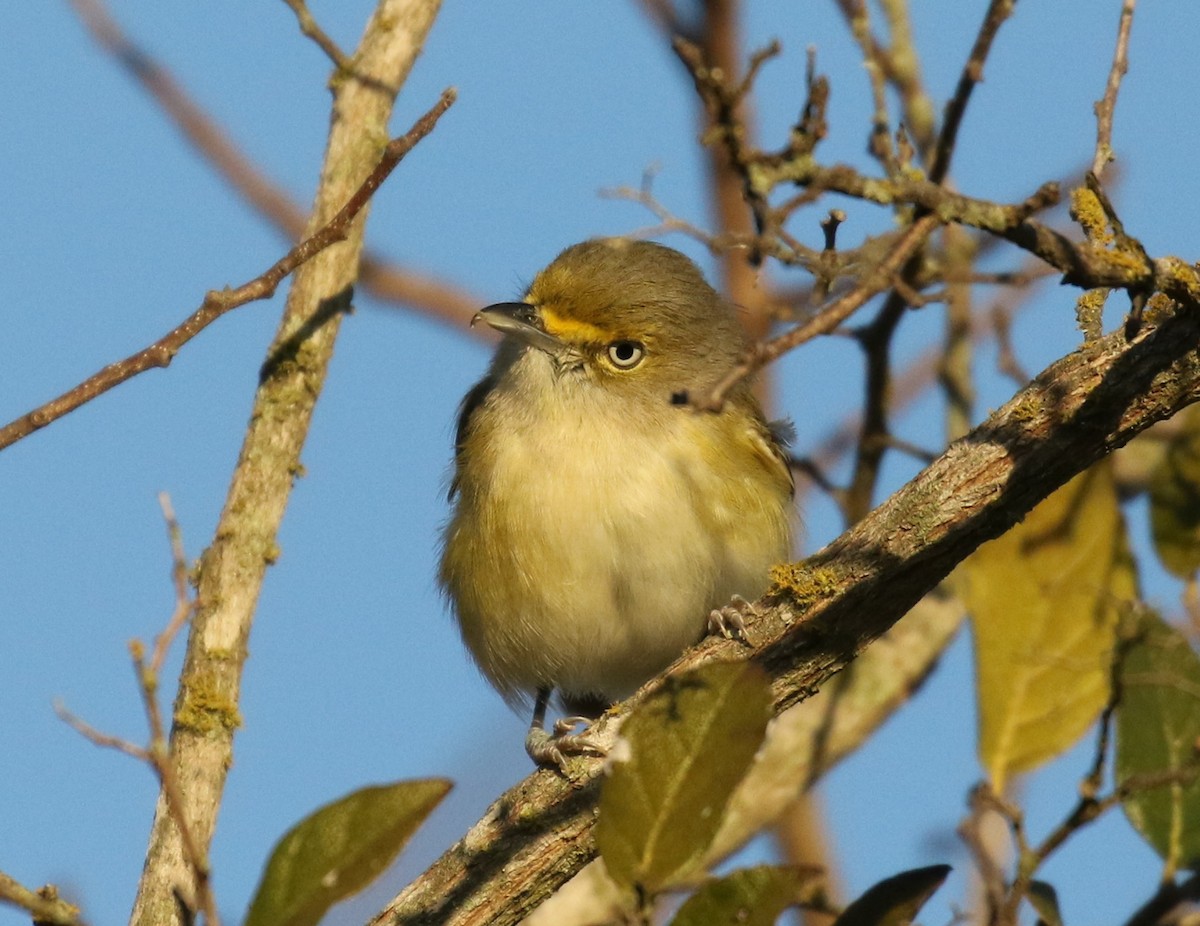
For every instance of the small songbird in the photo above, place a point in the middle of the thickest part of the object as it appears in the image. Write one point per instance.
(600, 525)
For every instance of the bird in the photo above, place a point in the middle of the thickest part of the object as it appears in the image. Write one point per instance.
(600, 524)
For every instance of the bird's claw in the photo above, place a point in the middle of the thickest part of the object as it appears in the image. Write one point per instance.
(730, 621)
(551, 750)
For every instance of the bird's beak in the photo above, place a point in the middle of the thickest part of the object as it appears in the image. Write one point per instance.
(521, 321)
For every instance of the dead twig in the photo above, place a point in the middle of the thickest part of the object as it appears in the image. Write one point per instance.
(824, 321)
(44, 904)
(1106, 105)
(217, 303)
(157, 754)
(382, 278)
(972, 73)
(309, 27)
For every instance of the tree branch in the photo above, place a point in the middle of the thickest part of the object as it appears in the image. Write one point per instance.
(382, 278)
(46, 907)
(218, 302)
(232, 569)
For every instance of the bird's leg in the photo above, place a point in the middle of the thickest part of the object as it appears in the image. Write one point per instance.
(730, 621)
(551, 749)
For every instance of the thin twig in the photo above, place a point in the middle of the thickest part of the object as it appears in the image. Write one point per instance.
(380, 277)
(898, 64)
(156, 754)
(824, 321)
(1006, 357)
(904, 63)
(1087, 809)
(217, 303)
(309, 27)
(959, 251)
(876, 63)
(1106, 106)
(97, 738)
(184, 604)
(44, 904)
(972, 73)
(990, 872)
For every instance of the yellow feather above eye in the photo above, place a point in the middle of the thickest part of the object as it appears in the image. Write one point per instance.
(572, 330)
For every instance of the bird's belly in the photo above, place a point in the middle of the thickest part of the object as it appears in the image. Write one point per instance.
(590, 569)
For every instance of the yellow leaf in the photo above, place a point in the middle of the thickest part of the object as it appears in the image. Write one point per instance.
(1044, 600)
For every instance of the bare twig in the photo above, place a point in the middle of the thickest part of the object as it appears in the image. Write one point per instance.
(973, 831)
(668, 222)
(898, 63)
(217, 303)
(184, 604)
(666, 17)
(378, 276)
(1106, 106)
(825, 321)
(103, 740)
(44, 904)
(998, 11)
(309, 27)
(954, 374)
(1006, 357)
(156, 754)
(877, 63)
(1088, 808)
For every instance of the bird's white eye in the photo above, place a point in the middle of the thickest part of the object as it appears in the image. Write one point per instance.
(625, 355)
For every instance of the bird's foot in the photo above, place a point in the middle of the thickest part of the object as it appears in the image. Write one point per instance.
(551, 750)
(730, 621)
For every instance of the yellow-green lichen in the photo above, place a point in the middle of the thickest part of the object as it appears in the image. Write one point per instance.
(1029, 407)
(1183, 275)
(206, 710)
(1089, 308)
(1158, 308)
(1089, 213)
(803, 582)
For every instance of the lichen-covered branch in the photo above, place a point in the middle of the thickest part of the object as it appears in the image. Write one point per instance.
(232, 568)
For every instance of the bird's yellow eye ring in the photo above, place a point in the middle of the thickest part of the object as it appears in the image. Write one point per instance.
(625, 355)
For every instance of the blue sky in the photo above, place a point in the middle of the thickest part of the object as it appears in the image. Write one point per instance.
(114, 229)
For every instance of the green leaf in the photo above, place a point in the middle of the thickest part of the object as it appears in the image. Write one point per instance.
(689, 745)
(1044, 899)
(1158, 726)
(339, 850)
(1044, 600)
(747, 897)
(895, 901)
(1175, 500)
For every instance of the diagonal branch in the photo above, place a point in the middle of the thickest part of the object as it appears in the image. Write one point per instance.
(47, 908)
(378, 276)
(998, 11)
(218, 302)
(824, 611)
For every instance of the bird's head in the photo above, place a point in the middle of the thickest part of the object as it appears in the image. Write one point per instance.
(629, 315)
